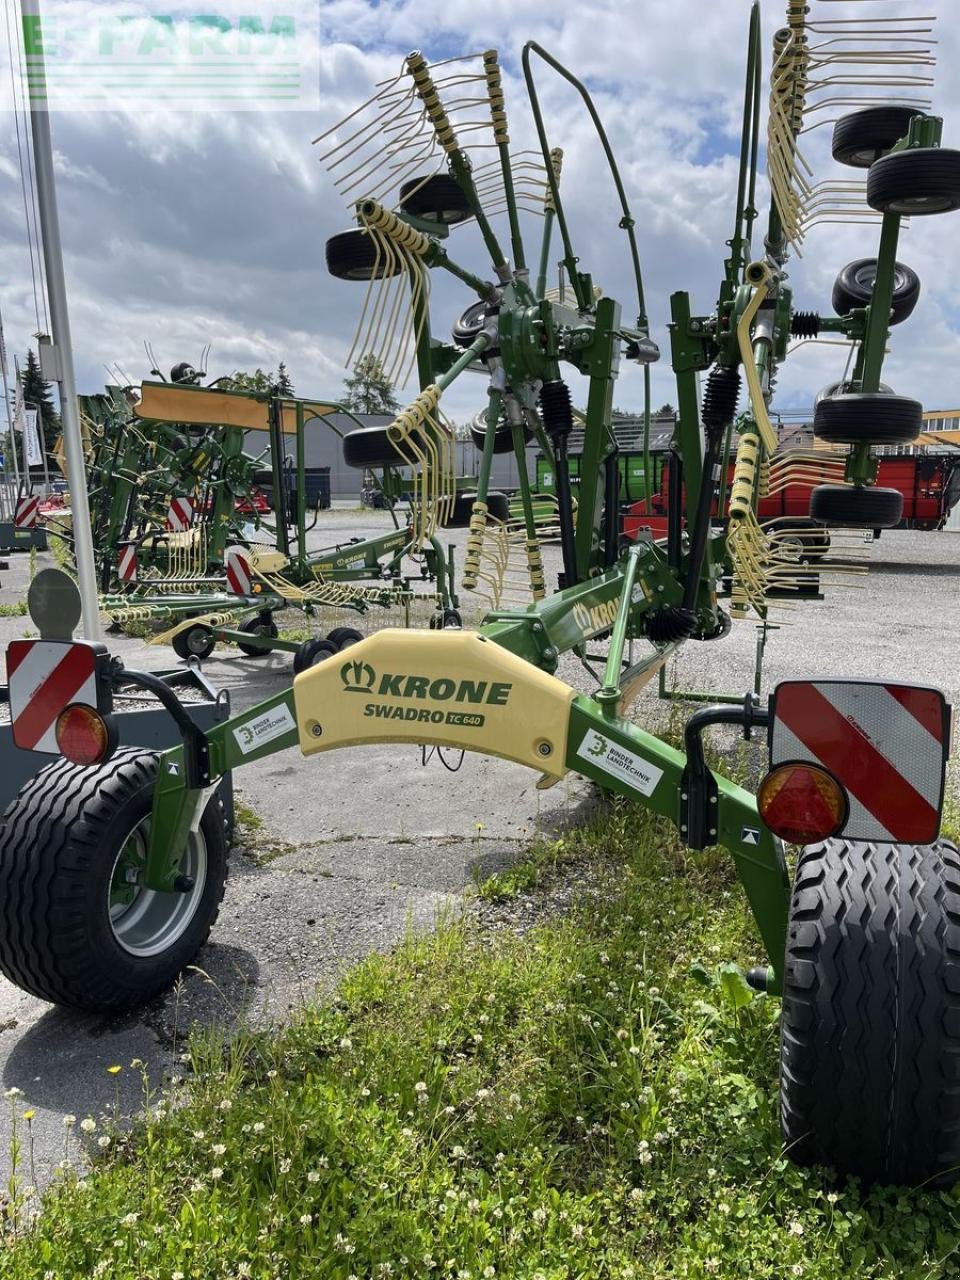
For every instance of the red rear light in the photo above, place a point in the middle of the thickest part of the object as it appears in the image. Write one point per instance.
(801, 803)
(83, 735)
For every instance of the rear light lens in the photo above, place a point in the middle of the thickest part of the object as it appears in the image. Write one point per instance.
(83, 735)
(801, 803)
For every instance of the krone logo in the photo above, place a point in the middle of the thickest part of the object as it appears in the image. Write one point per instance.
(357, 677)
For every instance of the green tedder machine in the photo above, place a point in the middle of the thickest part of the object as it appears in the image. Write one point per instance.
(112, 863)
(182, 534)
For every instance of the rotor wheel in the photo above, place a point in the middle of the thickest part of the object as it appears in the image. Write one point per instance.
(867, 417)
(439, 199)
(310, 653)
(843, 507)
(846, 388)
(354, 255)
(344, 637)
(472, 321)
(870, 1027)
(498, 506)
(914, 183)
(370, 447)
(80, 928)
(194, 642)
(259, 626)
(862, 137)
(502, 437)
(801, 539)
(853, 287)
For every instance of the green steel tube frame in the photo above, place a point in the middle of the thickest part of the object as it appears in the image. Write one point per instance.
(538, 634)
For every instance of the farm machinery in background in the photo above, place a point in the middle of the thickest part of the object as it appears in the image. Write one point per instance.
(184, 535)
(862, 949)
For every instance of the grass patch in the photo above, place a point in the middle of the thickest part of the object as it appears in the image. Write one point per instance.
(529, 873)
(596, 1099)
(62, 553)
(247, 822)
(250, 832)
(17, 610)
(299, 634)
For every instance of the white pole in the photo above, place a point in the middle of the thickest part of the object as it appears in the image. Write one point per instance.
(62, 348)
(17, 412)
(4, 509)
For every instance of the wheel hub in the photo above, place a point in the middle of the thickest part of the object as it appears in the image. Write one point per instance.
(146, 922)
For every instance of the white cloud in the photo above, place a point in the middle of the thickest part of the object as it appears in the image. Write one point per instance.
(192, 227)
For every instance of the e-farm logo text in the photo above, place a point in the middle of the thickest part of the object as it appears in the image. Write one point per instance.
(411, 691)
(242, 56)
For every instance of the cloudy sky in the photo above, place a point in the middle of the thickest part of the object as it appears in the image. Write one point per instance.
(187, 227)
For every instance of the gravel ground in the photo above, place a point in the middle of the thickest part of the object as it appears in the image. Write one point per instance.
(356, 846)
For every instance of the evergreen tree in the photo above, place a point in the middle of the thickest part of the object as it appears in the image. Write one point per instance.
(283, 382)
(36, 394)
(261, 380)
(368, 389)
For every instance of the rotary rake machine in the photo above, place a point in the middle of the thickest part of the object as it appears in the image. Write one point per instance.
(183, 539)
(112, 864)
(147, 481)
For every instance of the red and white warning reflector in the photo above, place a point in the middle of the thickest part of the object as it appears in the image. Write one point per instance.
(239, 572)
(180, 514)
(127, 564)
(27, 513)
(45, 677)
(885, 744)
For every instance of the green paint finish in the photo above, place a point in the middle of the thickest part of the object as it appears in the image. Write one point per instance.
(174, 809)
(629, 462)
(625, 759)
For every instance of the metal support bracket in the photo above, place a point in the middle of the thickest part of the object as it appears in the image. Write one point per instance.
(699, 793)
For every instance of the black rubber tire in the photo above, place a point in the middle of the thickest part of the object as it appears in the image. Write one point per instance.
(870, 1028)
(867, 418)
(438, 199)
(310, 653)
(258, 627)
(59, 840)
(502, 437)
(862, 137)
(853, 287)
(370, 447)
(816, 539)
(498, 506)
(842, 507)
(471, 323)
(343, 637)
(847, 388)
(914, 183)
(194, 642)
(352, 255)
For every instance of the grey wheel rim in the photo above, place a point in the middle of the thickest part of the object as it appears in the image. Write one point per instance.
(143, 921)
(867, 275)
(790, 547)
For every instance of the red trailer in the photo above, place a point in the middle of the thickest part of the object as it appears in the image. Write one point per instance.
(930, 484)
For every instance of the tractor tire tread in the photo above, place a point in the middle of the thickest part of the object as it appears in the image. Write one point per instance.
(49, 839)
(870, 1039)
